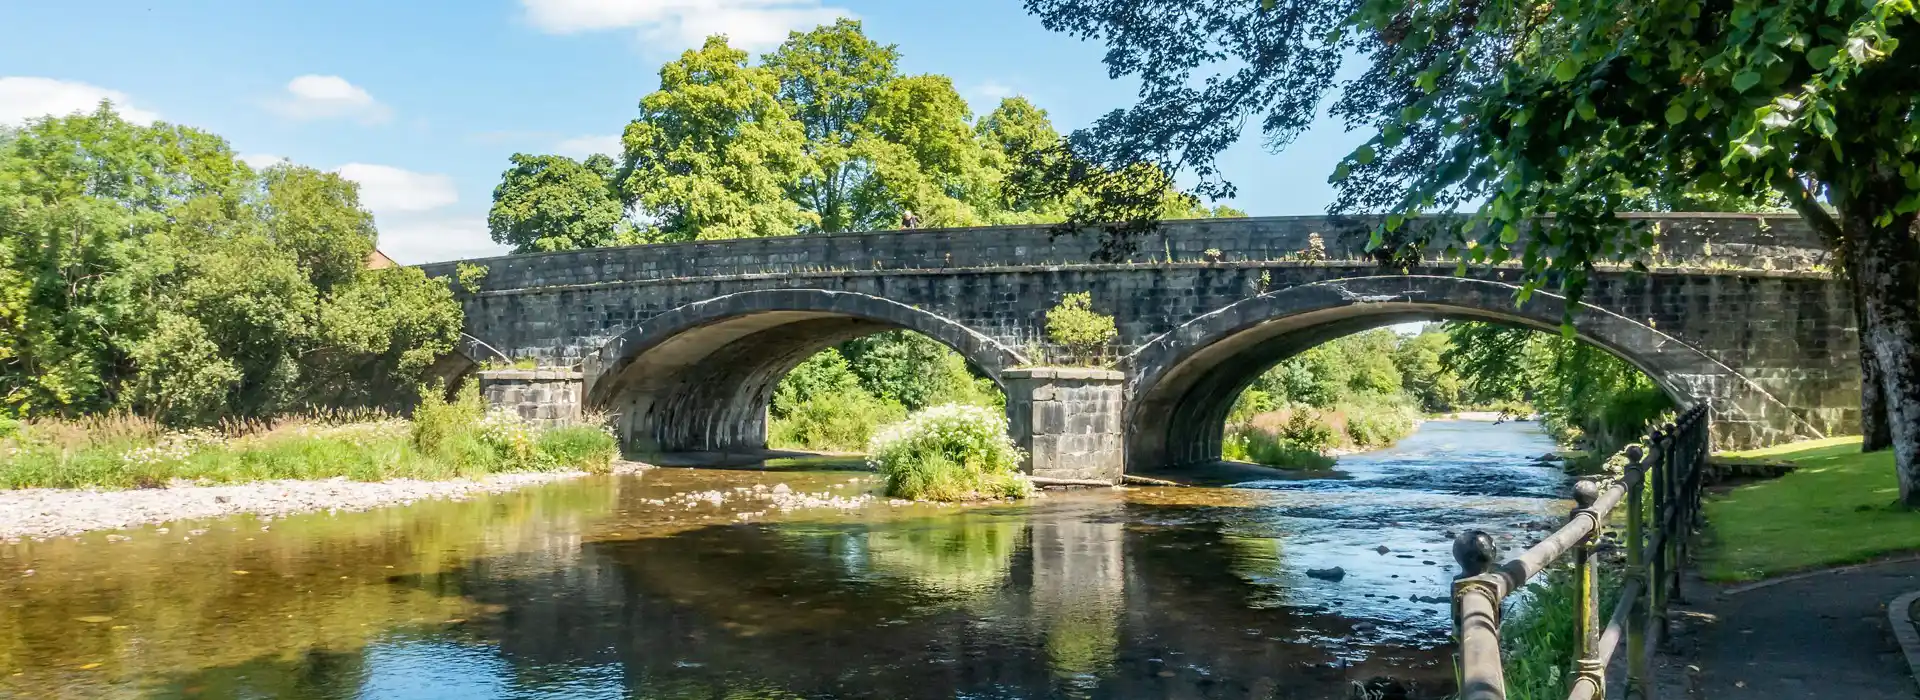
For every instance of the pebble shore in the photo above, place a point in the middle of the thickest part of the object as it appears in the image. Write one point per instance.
(43, 513)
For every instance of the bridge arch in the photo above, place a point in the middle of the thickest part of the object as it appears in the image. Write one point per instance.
(1182, 383)
(699, 377)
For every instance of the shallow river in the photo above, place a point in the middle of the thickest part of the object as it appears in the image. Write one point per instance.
(620, 587)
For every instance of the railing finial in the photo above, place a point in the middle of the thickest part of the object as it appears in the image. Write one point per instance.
(1475, 552)
(1585, 492)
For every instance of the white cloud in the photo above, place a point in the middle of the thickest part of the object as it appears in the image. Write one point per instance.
(583, 146)
(328, 97)
(678, 24)
(23, 98)
(385, 189)
(259, 161)
(415, 240)
(992, 90)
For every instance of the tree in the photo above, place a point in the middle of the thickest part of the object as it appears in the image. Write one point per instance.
(546, 203)
(1515, 112)
(146, 268)
(829, 79)
(714, 153)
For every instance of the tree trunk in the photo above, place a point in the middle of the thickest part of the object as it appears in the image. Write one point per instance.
(1888, 260)
(1876, 432)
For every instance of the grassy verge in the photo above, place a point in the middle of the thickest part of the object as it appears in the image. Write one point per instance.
(1837, 508)
(446, 440)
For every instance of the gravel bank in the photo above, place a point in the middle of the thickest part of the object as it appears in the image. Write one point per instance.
(41, 513)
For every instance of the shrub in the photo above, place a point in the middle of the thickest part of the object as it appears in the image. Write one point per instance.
(949, 452)
(1075, 325)
(840, 421)
(1305, 428)
(437, 420)
(1245, 443)
(1374, 420)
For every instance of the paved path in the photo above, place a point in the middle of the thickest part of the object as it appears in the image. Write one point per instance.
(1821, 636)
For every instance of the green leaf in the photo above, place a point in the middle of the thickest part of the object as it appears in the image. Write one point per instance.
(1676, 113)
(1364, 154)
(1565, 70)
(1509, 234)
(1340, 172)
(1745, 79)
(1821, 56)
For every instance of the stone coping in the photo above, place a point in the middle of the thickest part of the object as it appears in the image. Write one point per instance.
(533, 375)
(1900, 618)
(1083, 373)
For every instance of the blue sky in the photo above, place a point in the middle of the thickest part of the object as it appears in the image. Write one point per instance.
(423, 101)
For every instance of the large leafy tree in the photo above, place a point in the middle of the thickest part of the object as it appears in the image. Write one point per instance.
(146, 268)
(714, 153)
(546, 203)
(1516, 110)
(830, 78)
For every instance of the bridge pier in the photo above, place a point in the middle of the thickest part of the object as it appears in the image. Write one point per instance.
(1068, 421)
(545, 397)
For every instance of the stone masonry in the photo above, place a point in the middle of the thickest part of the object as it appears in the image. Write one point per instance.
(546, 397)
(1068, 421)
(684, 342)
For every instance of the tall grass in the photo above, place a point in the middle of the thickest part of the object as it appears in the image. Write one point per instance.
(1537, 639)
(1245, 443)
(445, 440)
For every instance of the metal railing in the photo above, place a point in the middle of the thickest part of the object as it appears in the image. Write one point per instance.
(1668, 469)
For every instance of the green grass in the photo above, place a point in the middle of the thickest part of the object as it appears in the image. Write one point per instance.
(446, 440)
(1245, 443)
(1837, 508)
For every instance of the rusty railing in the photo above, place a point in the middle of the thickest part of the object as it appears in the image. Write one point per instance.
(1668, 468)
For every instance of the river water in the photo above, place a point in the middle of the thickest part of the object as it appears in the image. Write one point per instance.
(624, 587)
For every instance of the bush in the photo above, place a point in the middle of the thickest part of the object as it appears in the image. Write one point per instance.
(1245, 443)
(1075, 325)
(1306, 428)
(841, 421)
(1375, 420)
(950, 452)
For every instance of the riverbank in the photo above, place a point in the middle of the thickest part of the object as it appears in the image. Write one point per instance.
(1836, 508)
(43, 513)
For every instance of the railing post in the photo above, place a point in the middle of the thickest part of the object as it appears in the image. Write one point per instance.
(1587, 618)
(1636, 479)
(1673, 527)
(1476, 616)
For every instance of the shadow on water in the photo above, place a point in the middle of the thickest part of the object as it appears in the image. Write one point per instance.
(621, 588)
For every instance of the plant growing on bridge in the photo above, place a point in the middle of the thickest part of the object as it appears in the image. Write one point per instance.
(1074, 325)
(950, 452)
(1544, 121)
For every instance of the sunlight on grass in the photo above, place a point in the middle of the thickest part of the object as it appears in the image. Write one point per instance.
(1837, 508)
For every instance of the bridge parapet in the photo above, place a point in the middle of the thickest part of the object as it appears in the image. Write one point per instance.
(1745, 241)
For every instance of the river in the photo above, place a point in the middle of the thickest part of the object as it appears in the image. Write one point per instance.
(624, 587)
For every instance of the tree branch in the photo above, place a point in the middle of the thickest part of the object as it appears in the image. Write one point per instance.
(1809, 209)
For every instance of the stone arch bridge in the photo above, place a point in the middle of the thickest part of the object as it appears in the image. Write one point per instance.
(685, 342)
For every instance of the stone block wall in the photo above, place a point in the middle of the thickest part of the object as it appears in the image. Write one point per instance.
(546, 397)
(1069, 421)
(1750, 293)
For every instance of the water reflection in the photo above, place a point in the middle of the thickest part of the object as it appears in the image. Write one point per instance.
(588, 589)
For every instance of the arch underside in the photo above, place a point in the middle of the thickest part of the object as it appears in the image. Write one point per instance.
(700, 378)
(1184, 383)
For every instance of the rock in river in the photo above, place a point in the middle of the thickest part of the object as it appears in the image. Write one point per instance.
(1333, 574)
